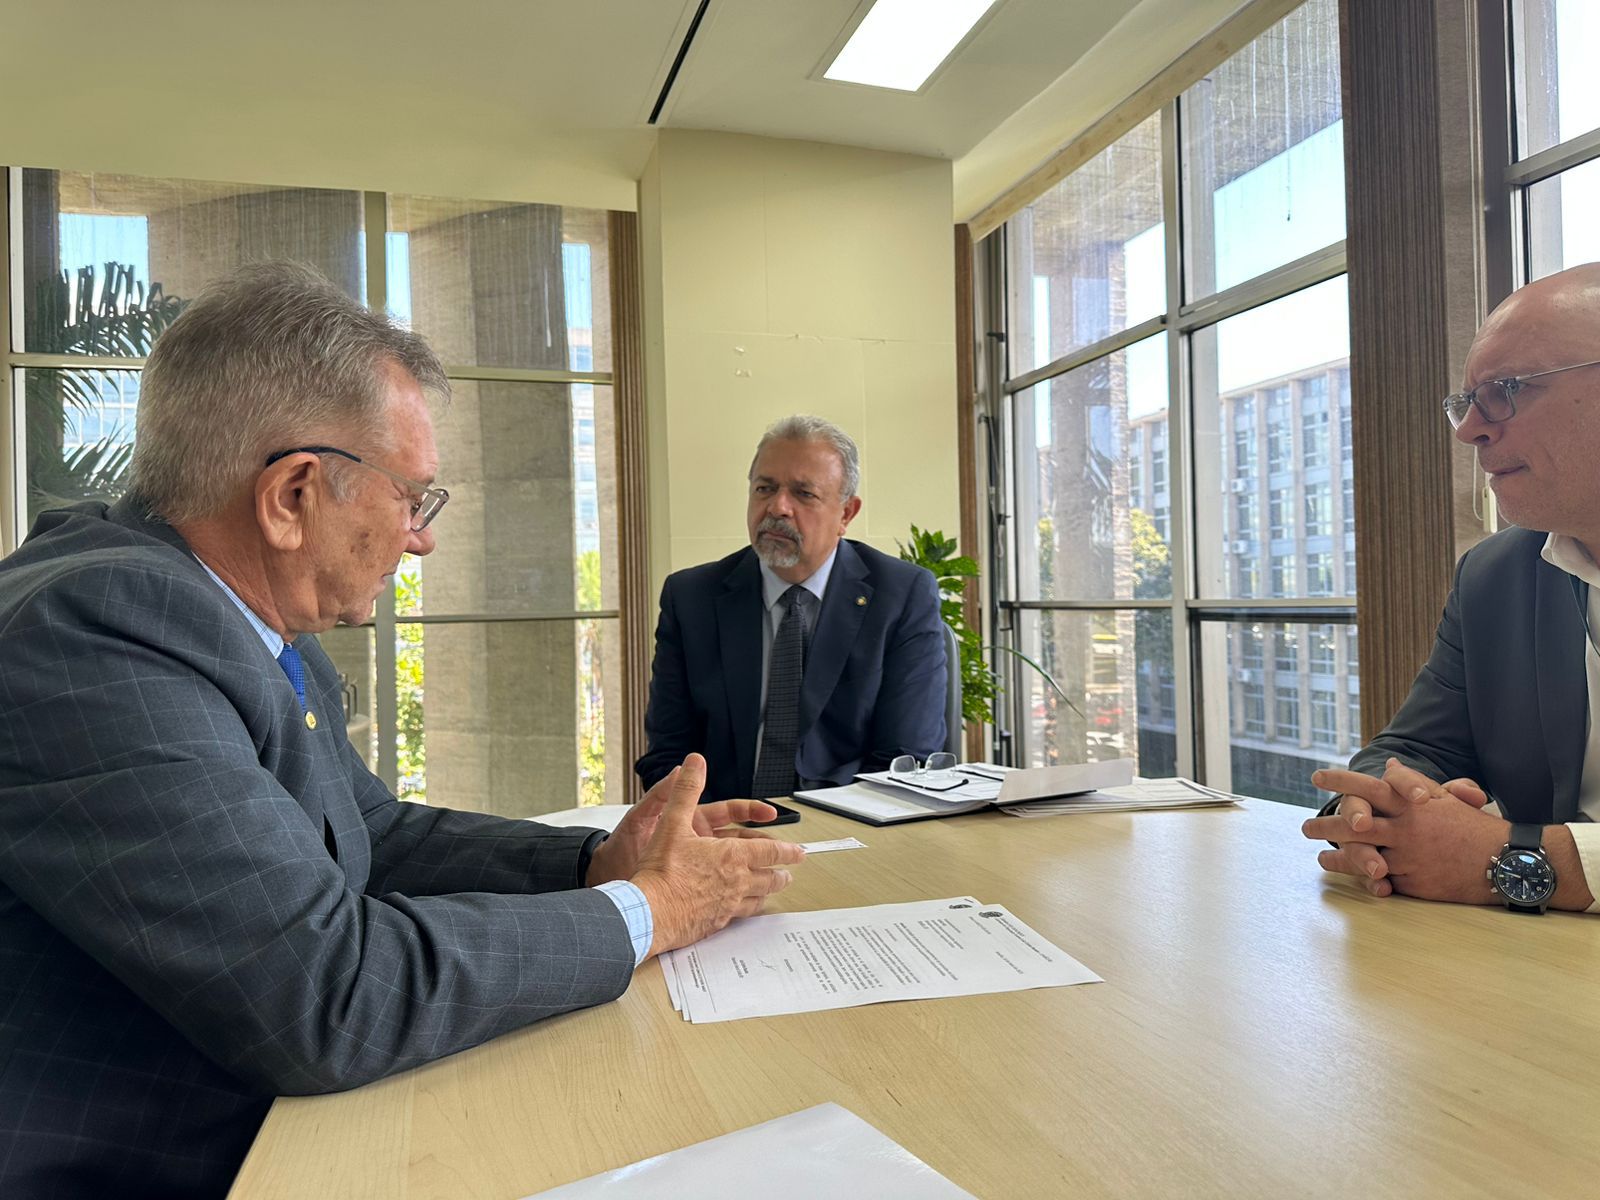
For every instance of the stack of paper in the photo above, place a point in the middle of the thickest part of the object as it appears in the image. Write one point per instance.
(884, 798)
(839, 958)
(823, 1151)
(1139, 795)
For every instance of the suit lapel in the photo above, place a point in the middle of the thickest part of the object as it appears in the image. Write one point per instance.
(739, 614)
(844, 607)
(1561, 686)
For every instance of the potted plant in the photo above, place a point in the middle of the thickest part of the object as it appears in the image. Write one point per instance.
(979, 682)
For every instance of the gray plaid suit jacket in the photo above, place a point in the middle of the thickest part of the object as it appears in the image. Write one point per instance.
(205, 904)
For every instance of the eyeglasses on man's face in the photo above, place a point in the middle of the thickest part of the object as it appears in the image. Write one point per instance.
(1495, 399)
(425, 501)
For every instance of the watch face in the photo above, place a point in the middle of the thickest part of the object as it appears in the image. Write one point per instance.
(1523, 877)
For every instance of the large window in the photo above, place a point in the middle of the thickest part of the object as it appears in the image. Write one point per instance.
(1087, 258)
(490, 677)
(1176, 460)
(1555, 148)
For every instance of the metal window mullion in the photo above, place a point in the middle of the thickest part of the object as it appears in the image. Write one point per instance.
(77, 362)
(1116, 604)
(1180, 454)
(995, 403)
(1496, 94)
(11, 501)
(1331, 604)
(527, 375)
(1307, 271)
(386, 705)
(598, 614)
(11, 211)
(1546, 164)
(1079, 358)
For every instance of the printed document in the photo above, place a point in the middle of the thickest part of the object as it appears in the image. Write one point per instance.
(840, 958)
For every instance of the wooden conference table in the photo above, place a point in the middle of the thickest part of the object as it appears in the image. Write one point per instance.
(1264, 1030)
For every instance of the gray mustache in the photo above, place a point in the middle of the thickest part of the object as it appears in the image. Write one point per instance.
(778, 525)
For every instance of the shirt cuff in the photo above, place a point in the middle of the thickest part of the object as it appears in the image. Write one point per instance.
(1586, 837)
(635, 910)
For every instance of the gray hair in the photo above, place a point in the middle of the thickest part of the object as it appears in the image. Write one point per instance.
(268, 357)
(803, 427)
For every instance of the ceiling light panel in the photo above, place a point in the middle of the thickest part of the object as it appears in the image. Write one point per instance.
(899, 43)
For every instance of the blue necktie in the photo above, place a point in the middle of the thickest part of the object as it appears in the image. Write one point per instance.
(289, 660)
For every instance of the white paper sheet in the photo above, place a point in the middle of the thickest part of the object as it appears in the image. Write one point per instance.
(595, 816)
(1067, 779)
(822, 1151)
(1140, 795)
(844, 843)
(840, 958)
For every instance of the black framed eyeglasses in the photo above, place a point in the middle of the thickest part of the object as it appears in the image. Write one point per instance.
(425, 501)
(1495, 399)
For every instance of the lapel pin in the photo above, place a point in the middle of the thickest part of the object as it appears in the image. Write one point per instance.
(861, 601)
(311, 720)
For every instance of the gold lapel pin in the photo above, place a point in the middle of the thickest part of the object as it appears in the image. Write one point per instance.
(861, 601)
(311, 720)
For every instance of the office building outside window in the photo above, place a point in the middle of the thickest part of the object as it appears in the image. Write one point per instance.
(1126, 467)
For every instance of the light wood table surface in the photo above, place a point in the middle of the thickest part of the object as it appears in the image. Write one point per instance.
(1264, 1030)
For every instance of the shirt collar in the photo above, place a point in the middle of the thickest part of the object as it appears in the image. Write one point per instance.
(773, 588)
(1566, 554)
(270, 637)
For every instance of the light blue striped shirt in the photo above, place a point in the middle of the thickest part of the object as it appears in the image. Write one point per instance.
(630, 901)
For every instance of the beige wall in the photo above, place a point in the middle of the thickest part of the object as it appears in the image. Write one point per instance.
(783, 277)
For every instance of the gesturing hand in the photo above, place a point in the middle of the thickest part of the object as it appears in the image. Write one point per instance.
(618, 856)
(697, 884)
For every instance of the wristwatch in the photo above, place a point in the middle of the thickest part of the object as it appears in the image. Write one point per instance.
(1521, 873)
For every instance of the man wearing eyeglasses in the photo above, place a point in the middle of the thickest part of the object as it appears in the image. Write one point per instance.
(206, 899)
(1504, 711)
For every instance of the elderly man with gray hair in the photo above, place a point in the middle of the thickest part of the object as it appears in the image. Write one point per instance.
(206, 899)
(803, 658)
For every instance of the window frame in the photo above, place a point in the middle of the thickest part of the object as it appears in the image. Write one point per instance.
(1203, 719)
(1510, 176)
(383, 623)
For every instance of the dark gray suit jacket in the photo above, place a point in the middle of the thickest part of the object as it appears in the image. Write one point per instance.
(1503, 698)
(205, 904)
(874, 685)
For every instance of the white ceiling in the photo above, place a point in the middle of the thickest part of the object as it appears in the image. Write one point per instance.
(750, 65)
(533, 98)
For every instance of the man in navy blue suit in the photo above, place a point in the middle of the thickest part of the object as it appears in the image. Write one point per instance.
(803, 658)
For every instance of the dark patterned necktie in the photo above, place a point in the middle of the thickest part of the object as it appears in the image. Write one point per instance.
(289, 660)
(780, 730)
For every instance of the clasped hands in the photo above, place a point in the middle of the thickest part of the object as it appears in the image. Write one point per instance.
(1405, 833)
(697, 867)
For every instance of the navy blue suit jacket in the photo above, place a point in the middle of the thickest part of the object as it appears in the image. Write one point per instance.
(1503, 699)
(874, 685)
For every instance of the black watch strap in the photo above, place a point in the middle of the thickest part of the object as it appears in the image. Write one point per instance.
(1526, 836)
(1331, 809)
